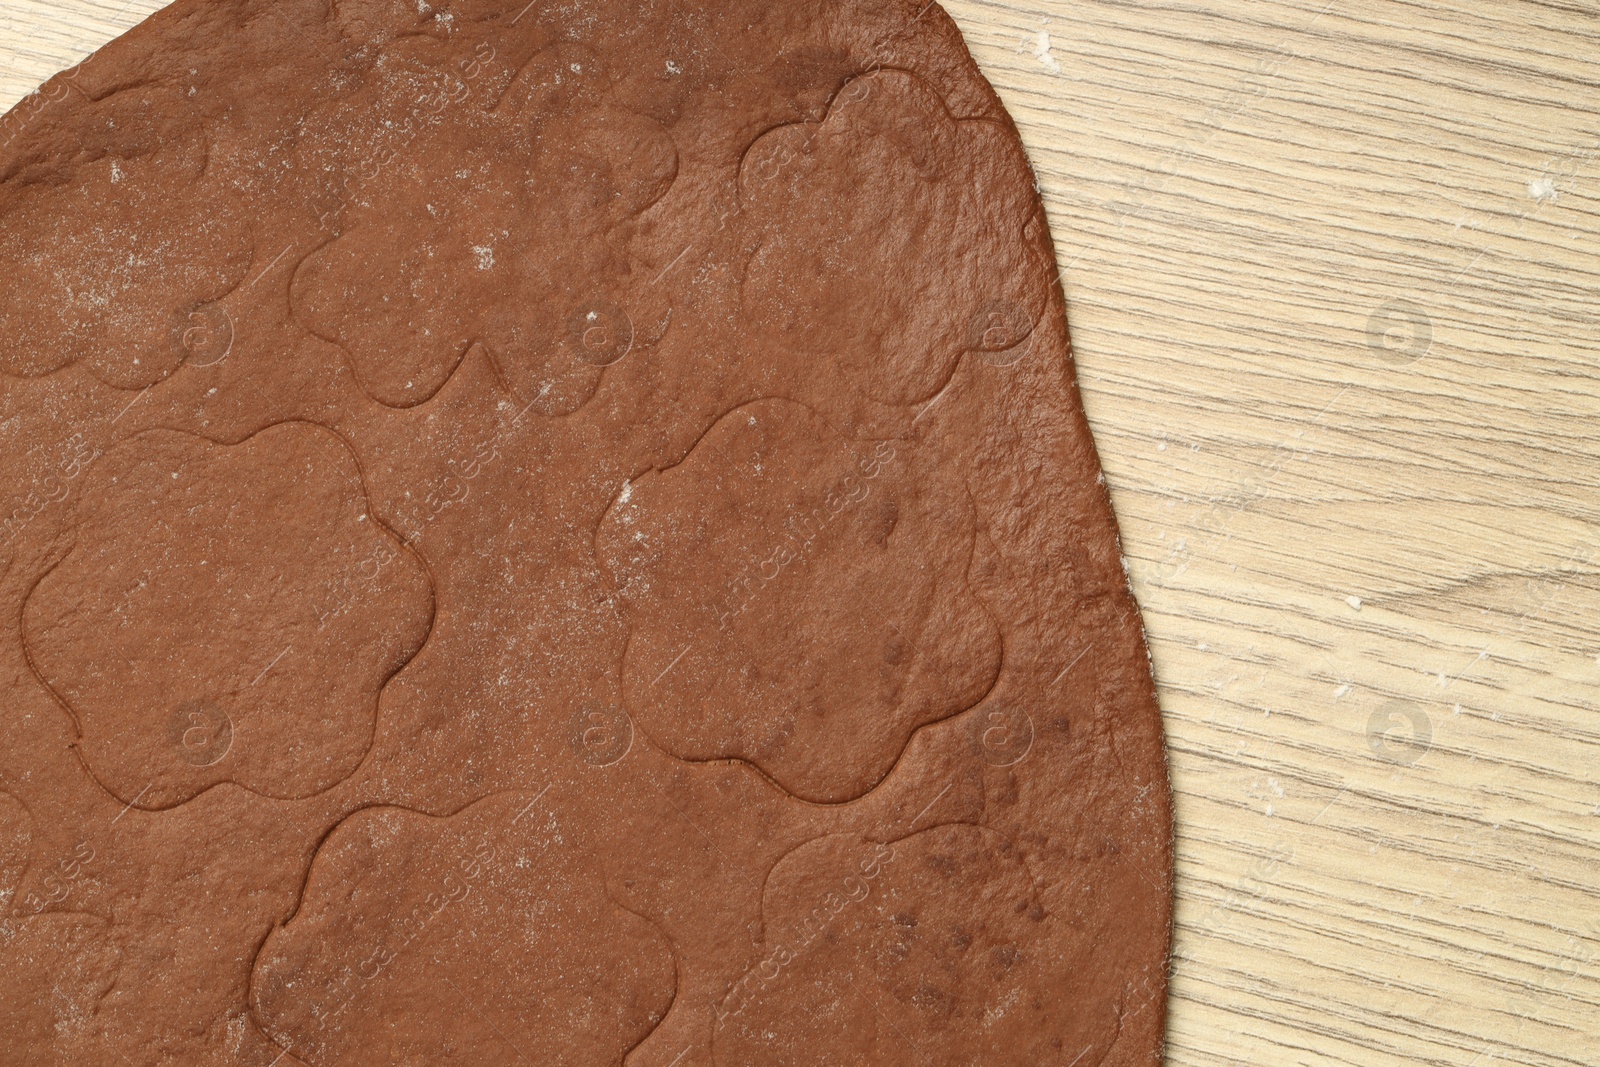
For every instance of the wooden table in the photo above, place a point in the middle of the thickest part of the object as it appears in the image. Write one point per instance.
(1333, 273)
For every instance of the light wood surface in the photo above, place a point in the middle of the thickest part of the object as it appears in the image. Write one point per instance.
(1333, 271)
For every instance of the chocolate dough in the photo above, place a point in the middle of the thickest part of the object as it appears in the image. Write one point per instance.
(557, 534)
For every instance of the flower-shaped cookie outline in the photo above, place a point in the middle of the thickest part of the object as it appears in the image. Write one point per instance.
(523, 248)
(708, 589)
(119, 286)
(861, 215)
(342, 945)
(208, 635)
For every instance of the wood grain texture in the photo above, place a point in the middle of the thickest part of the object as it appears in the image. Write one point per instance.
(1332, 272)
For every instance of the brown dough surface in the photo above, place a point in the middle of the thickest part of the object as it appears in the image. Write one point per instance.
(557, 534)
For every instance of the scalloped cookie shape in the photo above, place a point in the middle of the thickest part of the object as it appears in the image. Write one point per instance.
(112, 272)
(225, 614)
(935, 948)
(479, 938)
(521, 245)
(886, 233)
(797, 600)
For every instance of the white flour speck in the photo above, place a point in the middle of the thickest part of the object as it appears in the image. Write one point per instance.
(1041, 52)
